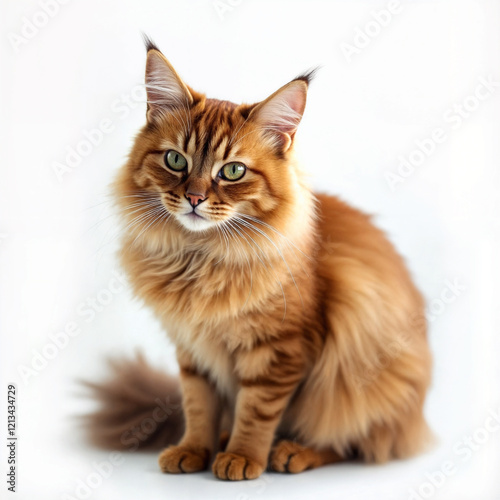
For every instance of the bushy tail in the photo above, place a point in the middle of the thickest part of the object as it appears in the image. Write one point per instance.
(140, 407)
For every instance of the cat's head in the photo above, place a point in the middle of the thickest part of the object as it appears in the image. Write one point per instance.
(210, 162)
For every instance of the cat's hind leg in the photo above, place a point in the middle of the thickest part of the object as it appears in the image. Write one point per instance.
(289, 456)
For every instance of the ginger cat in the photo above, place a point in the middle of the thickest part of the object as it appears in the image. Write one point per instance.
(297, 326)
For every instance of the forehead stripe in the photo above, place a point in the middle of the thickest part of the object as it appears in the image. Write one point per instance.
(212, 129)
(187, 138)
(227, 150)
(206, 147)
(219, 140)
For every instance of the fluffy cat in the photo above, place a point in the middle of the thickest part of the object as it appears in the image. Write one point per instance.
(297, 326)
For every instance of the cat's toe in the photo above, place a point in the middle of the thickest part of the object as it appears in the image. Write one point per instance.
(179, 459)
(233, 467)
(288, 456)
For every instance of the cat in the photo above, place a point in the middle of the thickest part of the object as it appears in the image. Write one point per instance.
(297, 327)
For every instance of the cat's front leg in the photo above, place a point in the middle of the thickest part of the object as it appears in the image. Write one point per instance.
(201, 410)
(269, 376)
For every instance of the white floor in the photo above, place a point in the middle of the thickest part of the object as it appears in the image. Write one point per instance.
(59, 466)
(419, 71)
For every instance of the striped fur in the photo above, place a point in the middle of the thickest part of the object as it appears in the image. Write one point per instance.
(290, 311)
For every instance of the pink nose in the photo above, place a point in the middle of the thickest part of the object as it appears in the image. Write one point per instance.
(195, 198)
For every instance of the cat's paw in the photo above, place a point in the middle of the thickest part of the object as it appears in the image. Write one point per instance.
(288, 456)
(178, 459)
(235, 467)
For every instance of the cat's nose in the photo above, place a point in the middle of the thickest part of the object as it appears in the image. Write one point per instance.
(195, 198)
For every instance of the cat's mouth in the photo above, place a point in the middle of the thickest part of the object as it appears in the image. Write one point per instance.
(194, 221)
(194, 215)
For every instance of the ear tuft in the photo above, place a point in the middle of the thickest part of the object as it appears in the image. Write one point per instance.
(150, 45)
(165, 89)
(280, 114)
(308, 76)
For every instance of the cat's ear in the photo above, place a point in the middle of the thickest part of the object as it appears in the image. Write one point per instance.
(280, 114)
(164, 88)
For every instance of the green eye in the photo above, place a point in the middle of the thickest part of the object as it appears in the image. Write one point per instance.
(233, 171)
(175, 160)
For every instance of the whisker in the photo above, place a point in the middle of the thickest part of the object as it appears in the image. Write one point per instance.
(155, 212)
(289, 243)
(270, 263)
(258, 221)
(120, 231)
(257, 230)
(249, 268)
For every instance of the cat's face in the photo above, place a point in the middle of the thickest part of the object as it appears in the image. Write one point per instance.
(212, 162)
(206, 171)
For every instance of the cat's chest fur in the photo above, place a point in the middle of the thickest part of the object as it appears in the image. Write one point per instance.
(208, 308)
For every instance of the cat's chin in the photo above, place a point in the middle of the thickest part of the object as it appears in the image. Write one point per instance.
(194, 222)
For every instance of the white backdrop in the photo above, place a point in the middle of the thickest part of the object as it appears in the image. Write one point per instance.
(402, 121)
